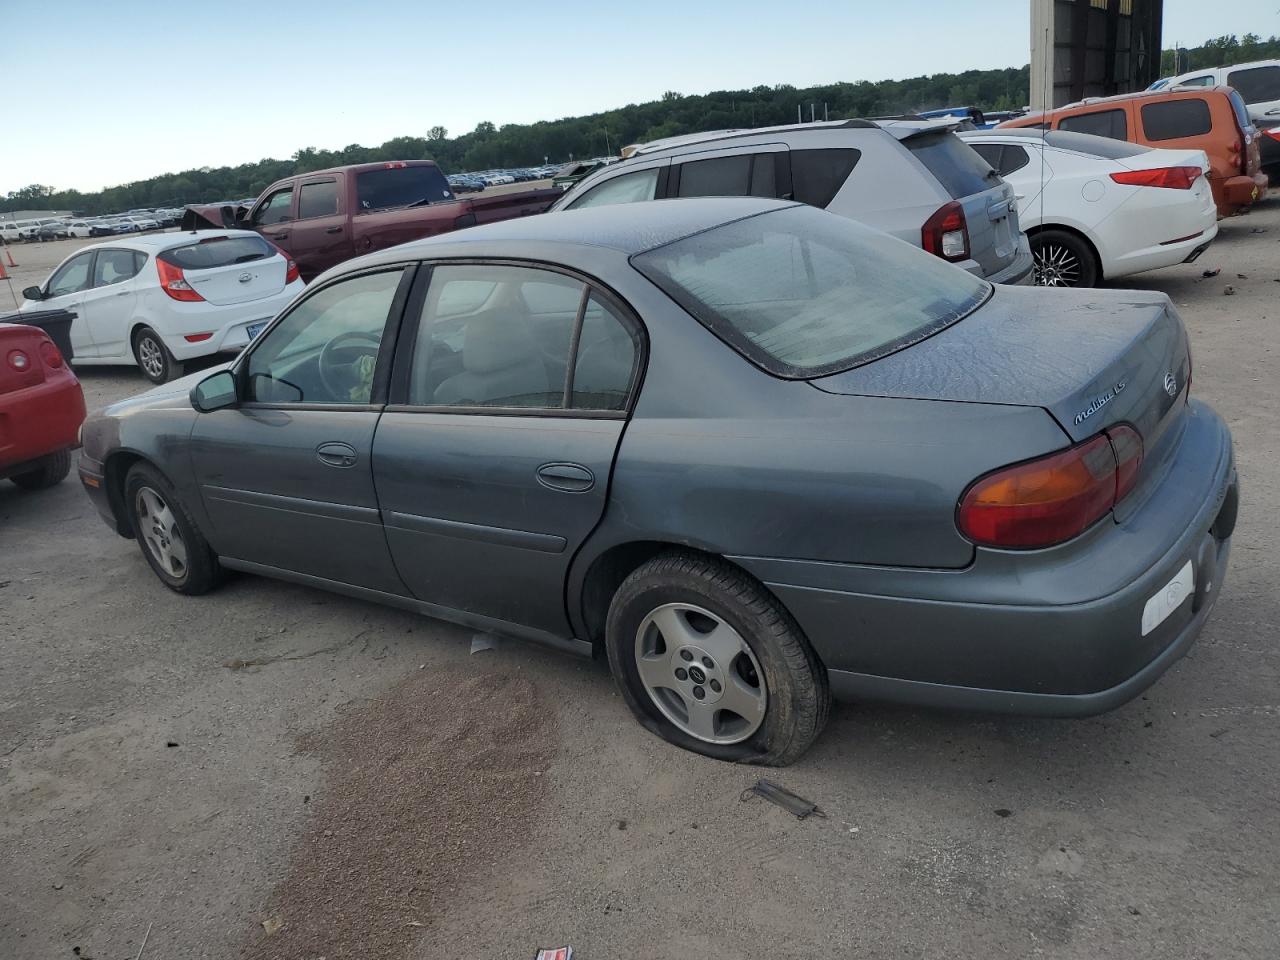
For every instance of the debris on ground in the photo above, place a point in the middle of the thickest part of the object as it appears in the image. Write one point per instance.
(1003, 812)
(272, 925)
(554, 953)
(784, 798)
(1242, 276)
(1228, 291)
(1258, 230)
(483, 641)
(1211, 273)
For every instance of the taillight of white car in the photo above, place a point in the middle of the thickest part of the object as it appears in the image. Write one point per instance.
(1173, 178)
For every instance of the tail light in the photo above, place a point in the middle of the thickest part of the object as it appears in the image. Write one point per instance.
(51, 356)
(1175, 178)
(291, 272)
(1052, 499)
(946, 234)
(174, 282)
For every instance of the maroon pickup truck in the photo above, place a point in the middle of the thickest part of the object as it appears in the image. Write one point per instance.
(323, 218)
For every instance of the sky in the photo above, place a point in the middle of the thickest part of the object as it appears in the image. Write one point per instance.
(98, 93)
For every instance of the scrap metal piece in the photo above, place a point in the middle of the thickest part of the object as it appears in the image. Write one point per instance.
(784, 798)
(554, 953)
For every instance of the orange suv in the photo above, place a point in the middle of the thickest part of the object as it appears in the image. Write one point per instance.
(1212, 119)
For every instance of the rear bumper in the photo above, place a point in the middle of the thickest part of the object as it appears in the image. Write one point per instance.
(1020, 269)
(1242, 191)
(1052, 632)
(1162, 254)
(38, 421)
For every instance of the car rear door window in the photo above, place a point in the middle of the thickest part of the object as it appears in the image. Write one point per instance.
(1175, 119)
(606, 359)
(502, 340)
(319, 199)
(397, 186)
(960, 170)
(818, 175)
(1012, 158)
(276, 208)
(1256, 84)
(628, 188)
(741, 175)
(1100, 123)
(115, 266)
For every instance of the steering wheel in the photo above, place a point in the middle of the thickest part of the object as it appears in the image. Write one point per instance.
(339, 357)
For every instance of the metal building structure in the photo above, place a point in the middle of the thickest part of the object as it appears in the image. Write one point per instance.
(1092, 48)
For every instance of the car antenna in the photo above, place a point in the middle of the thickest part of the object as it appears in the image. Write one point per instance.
(1044, 130)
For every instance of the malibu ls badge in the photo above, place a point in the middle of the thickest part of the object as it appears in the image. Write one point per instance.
(1098, 403)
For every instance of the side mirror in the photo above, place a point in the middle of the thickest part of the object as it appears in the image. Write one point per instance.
(216, 392)
(33, 293)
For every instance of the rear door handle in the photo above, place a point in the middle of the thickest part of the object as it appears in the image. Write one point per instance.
(336, 454)
(567, 477)
(334, 230)
(278, 236)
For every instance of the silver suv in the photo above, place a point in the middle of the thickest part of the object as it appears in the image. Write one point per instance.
(913, 179)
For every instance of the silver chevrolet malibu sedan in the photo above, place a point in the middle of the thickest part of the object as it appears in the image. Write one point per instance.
(755, 453)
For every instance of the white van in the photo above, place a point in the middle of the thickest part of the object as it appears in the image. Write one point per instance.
(1257, 82)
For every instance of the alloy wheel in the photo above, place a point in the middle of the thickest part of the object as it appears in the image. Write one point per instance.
(159, 531)
(1056, 266)
(151, 357)
(701, 673)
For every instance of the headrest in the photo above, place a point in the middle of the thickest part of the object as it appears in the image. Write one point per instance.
(496, 340)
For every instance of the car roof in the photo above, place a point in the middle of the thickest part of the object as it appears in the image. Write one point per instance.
(1167, 93)
(1229, 67)
(150, 243)
(629, 228)
(899, 129)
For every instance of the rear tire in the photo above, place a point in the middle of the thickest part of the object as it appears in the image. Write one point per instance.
(52, 471)
(154, 359)
(1063, 259)
(173, 545)
(706, 658)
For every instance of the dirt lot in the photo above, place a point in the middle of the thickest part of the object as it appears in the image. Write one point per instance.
(195, 767)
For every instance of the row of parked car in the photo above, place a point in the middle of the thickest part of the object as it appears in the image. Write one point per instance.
(476, 182)
(61, 228)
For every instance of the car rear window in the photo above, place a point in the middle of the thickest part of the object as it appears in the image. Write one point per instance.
(401, 187)
(1173, 119)
(1256, 84)
(960, 170)
(802, 294)
(214, 252)
(1100, 123)
(818, 175)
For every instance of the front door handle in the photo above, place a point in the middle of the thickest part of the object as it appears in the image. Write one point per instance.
(334, 230)
(335, 454)
(277, 236)
(567, 477)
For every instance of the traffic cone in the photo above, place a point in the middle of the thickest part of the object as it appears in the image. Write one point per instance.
(8, 253)
(3, 275)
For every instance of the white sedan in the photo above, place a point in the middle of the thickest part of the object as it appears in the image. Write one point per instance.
(1096, 208)
(162, 299)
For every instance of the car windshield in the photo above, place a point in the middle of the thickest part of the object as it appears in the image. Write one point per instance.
(803, 293)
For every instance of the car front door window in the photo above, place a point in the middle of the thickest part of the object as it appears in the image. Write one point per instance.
(71, 277)
(326, 350)
(275, 209)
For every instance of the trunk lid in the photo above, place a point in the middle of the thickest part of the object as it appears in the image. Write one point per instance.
(230, 269)
(1091, 358)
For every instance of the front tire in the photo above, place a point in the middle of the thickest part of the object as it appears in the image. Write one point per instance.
(706, 658)
(1063, 259)
(154, 359)
(171, 542)
(52, 471)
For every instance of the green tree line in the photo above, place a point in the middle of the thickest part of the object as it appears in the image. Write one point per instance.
(489, 146)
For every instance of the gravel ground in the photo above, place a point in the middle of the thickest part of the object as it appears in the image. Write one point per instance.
(195, 767)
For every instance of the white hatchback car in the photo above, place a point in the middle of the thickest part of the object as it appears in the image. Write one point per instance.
(1096, 208)
(162, 299)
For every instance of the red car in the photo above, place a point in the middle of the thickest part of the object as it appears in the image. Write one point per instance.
(41, 408)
